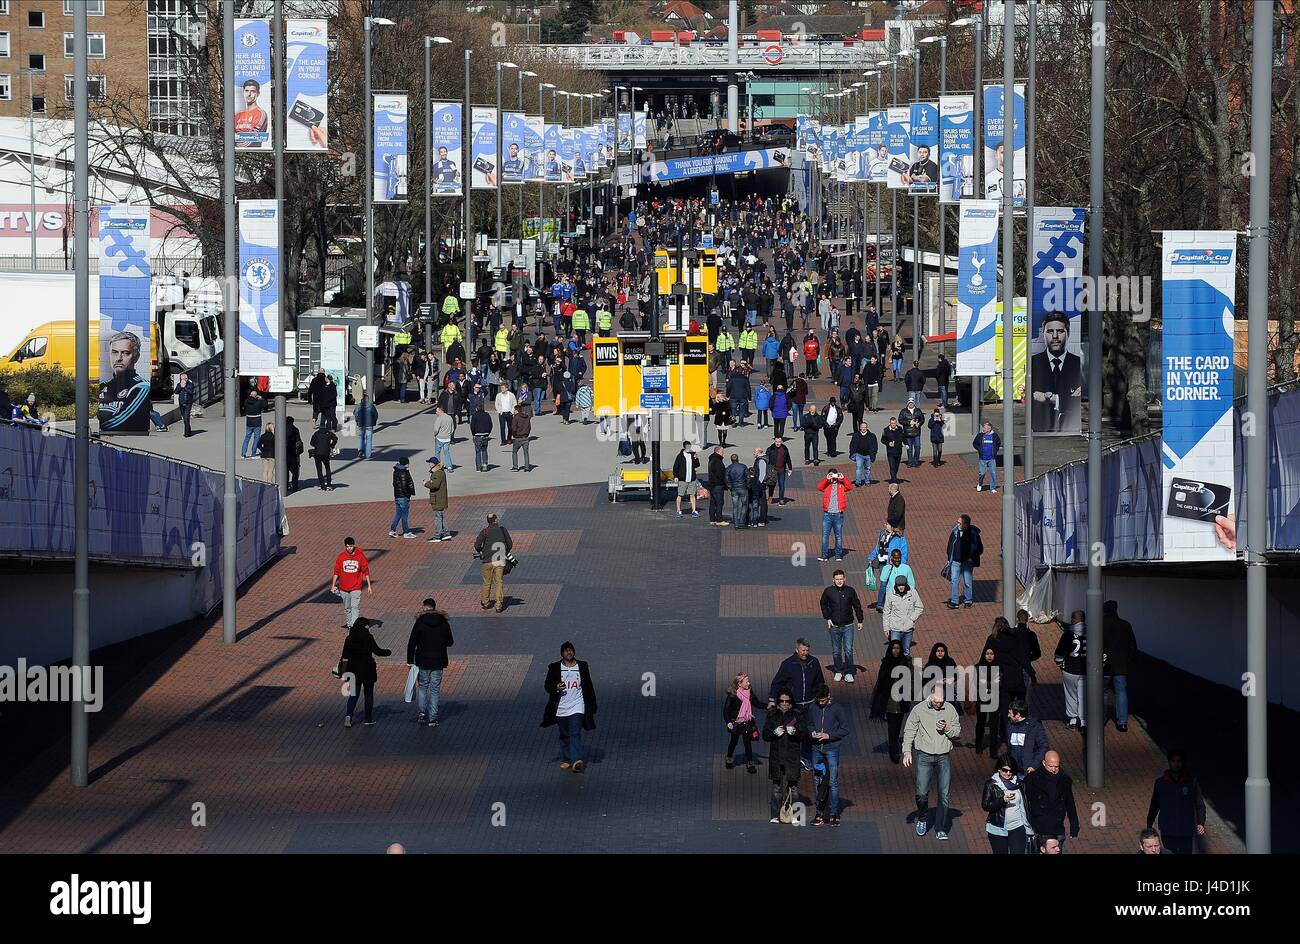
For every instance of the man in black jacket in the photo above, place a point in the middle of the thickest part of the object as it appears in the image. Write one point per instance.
(842, 611)
(892, 438)
(778, 455)
(737, 479)
(862, 449)
(717, 486)
(403, 489)
(294, 450)
(911, 420)
(427, 651)
(480, 426)
(964, 549)
(684, 467)
(1120, 646)
(1049, 800)
(1029, 648)
(827, 724)
(571, 704)
(914, 381)
(943, 374)
(801, 673)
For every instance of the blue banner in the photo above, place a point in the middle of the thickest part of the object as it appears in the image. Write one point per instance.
(448, 153)
(516, 157)
(1198, 306)
(259, 298)
(125, 319)
(390, 150)
(977, 287)
(483, 147)
(683, 167)
(551, 160)
(252, 78)
(923, 172)
(878, 147)
(898, 138)
(995, 150)
(306, 83)
(1056, 364)
(956, 148)
(624, 133)
(606, 148)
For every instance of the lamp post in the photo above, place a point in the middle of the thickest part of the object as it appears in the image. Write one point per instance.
(368, 185)
(880, 80)
(918, 267)
(541, 189)
(1030, 94)
(80, 730)
(428, 179)
(522, 73)
(500, 183)
(230, 318)
(1008, 336)
(977, 22)
(943, 89)
(466, 129)
(31, 154)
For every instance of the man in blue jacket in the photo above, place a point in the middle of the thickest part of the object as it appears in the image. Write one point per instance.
(737, 479)
(1026, 739)
(802, 674)
(827, 724)
(987, 444)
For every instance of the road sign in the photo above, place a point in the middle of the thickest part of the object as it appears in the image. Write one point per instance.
(425, 311)
(654, 379)
(773, 55)
(656, 401)
(367, 335)
(281, 380)
(468, 290)
(706, 240)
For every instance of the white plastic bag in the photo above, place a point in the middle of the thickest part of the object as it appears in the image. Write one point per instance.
(408, 694)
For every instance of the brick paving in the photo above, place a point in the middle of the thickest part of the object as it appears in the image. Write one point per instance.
(665, 611)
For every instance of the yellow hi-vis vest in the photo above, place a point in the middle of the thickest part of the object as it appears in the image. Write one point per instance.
(581, 320)
(725, 343)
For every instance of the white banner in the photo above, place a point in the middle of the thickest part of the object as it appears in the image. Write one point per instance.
(977, 287)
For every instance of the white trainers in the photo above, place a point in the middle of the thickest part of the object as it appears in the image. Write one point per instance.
(392, 534)
(979, 488)
(839, 676)
(848, 677)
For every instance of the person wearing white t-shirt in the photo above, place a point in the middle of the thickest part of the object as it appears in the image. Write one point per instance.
(571, 705)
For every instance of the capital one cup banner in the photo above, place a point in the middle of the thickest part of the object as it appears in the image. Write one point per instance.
(801, 123)
(448, 154)
(1198, 301)
(259, 299)
(306, 83)
(390, 150)
(535, 144)
(483, 147)
(923, 174)
(956, 148)
(125, 319)
(898, 138)
(997, 155)
(859, 160)
(567, 153)
(252, 85)
(1055, 322)
(977, 287)
(515, 155)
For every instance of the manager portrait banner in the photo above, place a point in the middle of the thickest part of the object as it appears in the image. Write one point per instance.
(1057, 392)
(124, 403)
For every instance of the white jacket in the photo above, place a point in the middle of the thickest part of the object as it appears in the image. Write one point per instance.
(901, 612)
(506, 402)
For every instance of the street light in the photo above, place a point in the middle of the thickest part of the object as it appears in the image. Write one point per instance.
(541, 188)
(522, 73)
(31, 153)
(499, 135)
(429, 42)
(368, 185)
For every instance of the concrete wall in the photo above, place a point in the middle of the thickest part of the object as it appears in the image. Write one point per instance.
(126, 602)
(1199, 626)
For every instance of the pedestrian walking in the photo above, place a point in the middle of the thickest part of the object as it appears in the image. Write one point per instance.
(521, 434)
(717, 486)
(842, 611)
(1120, 648)
(737, 479)
(780, 409)
(862, 449)
(505, 403)
(444, 428)
(294, 451)
(493, 548)
(351, 573)
(1026, 738)
(366, 416)
(888, 699)
(358, 662)
(778, 455)
(811, 426)
(931, 729)
(253, 408)
(403, 491)
(903, 608)
(323, 442)
(987, 444)
(436, 484)
(911, 420)
(570, 704)
(892, 437)
(740, 711)
(1177, 801)
(760, 475)
(783, 730)
(426, 650)
(937, 422)
(688, 485)
(827, 724)
(480, 427)
(1007, 824)
(1049, 800)
(266, 449)
(835, 489)
(1072, 657)
(184, 399)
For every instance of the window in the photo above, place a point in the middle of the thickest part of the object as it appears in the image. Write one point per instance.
(36, 62)
(5, 89)
(4, 7)
(96, 88)
(187, 332)
(93, 7)
(209, 326)
(38, 104)
(35, 347)
(36, 19)
(94, 45)
(4, 44)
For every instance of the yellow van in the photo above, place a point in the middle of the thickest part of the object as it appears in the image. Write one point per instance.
(54, 344)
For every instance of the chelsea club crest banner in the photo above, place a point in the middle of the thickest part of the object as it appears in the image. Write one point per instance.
(977, 287)
(259, 300)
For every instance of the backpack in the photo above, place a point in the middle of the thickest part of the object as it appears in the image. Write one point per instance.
(769, 477)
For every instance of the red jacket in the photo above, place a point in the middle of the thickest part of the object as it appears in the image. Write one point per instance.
(810, 349)
(352, 570)
(824, 486)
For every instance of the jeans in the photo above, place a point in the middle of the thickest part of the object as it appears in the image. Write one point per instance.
(1013, 843)
(780, 485)
(442, 452)
(758, 508)
(738, 410)
(842, 648)
(571, 737)
(518, 444)
(739, 506)
(503, 420)
(537, 400)
(351, 605)
(943, 396)
(810, 448)
(428, 686)
(1073, 685)
(894, 459)
(401, 391)
(716, 501)
(1119, 684)
(778, 427)
(903, 636)
(439, 521)
(862, 469)
(927, 765)
(368, 688)
(250, 438)
(481, 450)
(401, 515)
(914, 450)
(991, 467)
(830, 756)
(833, 521)
(796, 414)
(960, 572)
(365, 440)
(898, 367)
(763, 419)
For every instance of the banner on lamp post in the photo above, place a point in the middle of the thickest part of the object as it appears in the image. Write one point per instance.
(995, 151)
(923, 172)
(1055, 322)
(259, 298)
(1198, 298)
(390, 149)
(306, 85)
(448, 150)
(125, 319)
(956, 148)
(483, 147)
(899, 141)
(252, 78)
(977, 287)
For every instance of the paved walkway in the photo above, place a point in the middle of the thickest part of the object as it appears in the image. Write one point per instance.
(665, 610)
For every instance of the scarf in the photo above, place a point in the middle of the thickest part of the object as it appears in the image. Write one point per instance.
(746, 712)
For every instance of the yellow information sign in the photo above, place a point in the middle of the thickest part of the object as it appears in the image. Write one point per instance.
(617, 372)
(1019, 351)
(705, 271)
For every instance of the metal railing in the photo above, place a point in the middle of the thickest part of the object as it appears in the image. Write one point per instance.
(162, 265)
(807, 55)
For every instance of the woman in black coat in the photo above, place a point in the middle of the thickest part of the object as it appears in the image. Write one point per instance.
(740, 694)
(1004, 800)
(784, 731)
(360, 650)
(323, 442)
(989, 703)
(941, 663)
(883, 705)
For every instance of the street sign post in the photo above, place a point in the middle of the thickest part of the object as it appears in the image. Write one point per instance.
(656, 401)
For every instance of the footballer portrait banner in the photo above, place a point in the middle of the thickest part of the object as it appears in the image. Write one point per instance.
(259, 297)
(483, 147)
(1055, 321)
(514, 155)
(997, 154)
(390, 148)
(125, 319)
(1198, 297)
(448, 153)
(977, 287)
(956, 148)
(252, 80)
(306, 84)
(923, 172)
